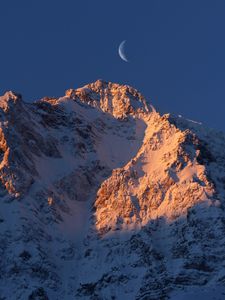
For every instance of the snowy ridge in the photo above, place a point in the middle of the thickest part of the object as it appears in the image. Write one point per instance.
(103, 198)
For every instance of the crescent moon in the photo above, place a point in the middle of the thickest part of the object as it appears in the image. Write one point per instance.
(121, 51)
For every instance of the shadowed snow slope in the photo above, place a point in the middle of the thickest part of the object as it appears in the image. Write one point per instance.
(103, 198)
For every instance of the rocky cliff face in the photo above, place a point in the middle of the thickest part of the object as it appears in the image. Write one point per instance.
(103, 198)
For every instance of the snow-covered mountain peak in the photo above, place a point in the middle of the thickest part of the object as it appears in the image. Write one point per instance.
(101, 197)
(118, 100)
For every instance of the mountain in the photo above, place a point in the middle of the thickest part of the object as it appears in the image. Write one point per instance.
(104, 198)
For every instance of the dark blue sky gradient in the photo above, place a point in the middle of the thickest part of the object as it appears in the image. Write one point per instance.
(176, 50)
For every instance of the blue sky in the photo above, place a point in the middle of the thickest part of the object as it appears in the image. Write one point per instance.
(176, 50)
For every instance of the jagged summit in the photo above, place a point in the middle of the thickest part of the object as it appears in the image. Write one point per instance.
(119, 100)
(101, 197)
(8, 99)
